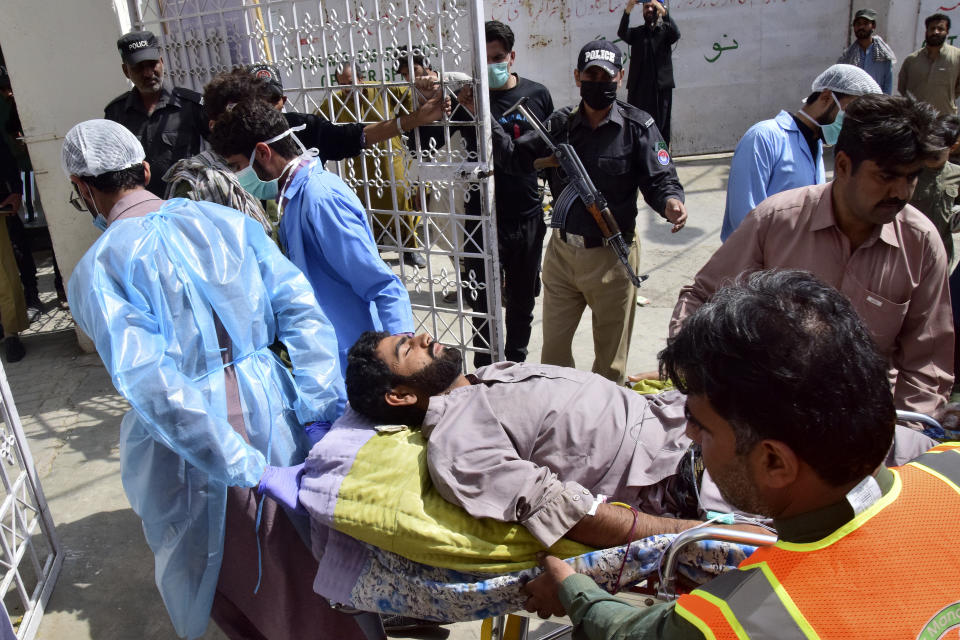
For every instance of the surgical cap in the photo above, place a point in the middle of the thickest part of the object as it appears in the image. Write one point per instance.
(846, 79)
(95, 147)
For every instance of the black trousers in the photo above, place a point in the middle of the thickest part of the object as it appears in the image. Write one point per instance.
(658, 104)
(520, 242)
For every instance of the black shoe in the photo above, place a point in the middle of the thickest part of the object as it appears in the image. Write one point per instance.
(15, 349)
(404, 623)
(418, 260)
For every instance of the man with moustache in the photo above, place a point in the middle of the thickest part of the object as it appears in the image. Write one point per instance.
(755, 362)
(169, 123)
(542, 445)
(869, 51)
(858, 234)
(932, 73)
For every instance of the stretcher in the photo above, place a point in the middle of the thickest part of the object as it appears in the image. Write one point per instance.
(391, 584)
(386, 542)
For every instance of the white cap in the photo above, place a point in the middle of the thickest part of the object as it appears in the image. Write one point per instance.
(95, 147)
(846, 79)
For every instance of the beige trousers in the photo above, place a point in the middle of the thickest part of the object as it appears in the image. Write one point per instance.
(575, 278)
(13, 309)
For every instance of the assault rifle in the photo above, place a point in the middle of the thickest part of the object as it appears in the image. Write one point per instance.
(580, 186)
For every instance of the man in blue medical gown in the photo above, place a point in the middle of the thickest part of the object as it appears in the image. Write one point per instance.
(183, 300)
(323, 226)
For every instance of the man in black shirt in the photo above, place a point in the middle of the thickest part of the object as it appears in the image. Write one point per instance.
(339, 141)
(623, 153)
(170, 124)
(518, 200)
(650, 83)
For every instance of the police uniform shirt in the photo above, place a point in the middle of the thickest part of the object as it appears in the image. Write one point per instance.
(623, 154)
(172, 132)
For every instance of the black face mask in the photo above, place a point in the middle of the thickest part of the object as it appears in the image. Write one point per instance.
(598, 95)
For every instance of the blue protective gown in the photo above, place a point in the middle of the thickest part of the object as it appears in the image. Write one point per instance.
(146, 292)
(324, 231)
(772, 156)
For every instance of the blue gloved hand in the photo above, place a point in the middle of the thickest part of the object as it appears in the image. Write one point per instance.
(316, 431)
(282, 484)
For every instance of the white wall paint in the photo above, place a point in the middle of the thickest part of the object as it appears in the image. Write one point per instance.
(781, 46)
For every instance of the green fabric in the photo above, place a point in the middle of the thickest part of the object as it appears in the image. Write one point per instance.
(206, 177)
(388, 500)
(651, 386)
(818, 524)
(934, 196)
(600, 616)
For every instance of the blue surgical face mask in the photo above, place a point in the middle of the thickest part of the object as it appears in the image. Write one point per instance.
(831, 132)
(251, 182)
(498, 74)
(99, 221)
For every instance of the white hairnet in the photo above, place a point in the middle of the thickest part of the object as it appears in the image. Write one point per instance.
(846, 78)
(95, 147)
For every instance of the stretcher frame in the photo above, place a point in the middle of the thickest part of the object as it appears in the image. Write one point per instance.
(516, 626)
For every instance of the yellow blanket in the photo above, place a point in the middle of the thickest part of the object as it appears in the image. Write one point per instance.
(388, 500)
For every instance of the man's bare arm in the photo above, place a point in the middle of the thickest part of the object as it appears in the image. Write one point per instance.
(610, 527)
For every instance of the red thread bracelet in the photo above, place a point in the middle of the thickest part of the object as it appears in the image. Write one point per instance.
(626, 552)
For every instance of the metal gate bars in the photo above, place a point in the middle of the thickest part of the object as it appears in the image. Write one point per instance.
(427, 193)
(30, 554)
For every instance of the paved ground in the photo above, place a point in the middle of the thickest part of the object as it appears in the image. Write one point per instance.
(72, 417)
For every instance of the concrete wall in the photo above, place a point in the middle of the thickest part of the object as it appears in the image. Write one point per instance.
(64, 68)
(771, 51)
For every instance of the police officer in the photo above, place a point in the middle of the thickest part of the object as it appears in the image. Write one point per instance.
(623, 152)
(169, 124)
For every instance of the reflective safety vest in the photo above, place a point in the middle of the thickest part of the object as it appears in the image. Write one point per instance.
(891, 572)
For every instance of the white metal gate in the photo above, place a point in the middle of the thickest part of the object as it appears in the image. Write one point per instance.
(30, 554)
(414, 190)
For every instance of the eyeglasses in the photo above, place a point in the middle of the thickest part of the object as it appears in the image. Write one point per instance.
(76, 200)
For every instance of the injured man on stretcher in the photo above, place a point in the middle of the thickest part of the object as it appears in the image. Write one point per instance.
(538, 445)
